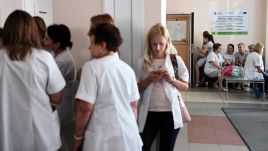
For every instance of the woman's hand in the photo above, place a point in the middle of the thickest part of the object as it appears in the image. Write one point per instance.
(166, 75)
(155, 75)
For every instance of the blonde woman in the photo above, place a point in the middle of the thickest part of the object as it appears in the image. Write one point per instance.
(254, 68)
(159, 105)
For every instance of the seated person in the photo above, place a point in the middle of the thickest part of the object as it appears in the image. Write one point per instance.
(254, 68)
(241, 55)
(240, 58)
(228, 56)
(213, 65)
(207, 47)
(251, 48)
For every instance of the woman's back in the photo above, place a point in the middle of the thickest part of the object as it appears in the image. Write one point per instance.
(27, 120)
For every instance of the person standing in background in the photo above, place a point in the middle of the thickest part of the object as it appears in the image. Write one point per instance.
(58, 41)
(159, 109)
(106, 97)
(94, 21)
(30, 89)
(42, 28)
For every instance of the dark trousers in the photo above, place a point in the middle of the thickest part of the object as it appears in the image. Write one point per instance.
(161, 122)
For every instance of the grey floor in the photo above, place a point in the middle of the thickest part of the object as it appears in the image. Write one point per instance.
(209, 101)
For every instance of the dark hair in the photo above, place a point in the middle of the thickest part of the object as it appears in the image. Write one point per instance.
(205, 33)
(41, 25)
(109, 34)
(61, 34)
(216, 46)
(208, 36)
(20, 35)
(231, 45)
(1, 33)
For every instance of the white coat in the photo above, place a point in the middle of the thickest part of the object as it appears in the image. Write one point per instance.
(171, 92)
(27, 122)
(110, 85)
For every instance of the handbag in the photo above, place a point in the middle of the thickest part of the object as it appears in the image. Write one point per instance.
(227, 70)
(186, 118)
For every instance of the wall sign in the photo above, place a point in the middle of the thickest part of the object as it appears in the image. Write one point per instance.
(230, 23)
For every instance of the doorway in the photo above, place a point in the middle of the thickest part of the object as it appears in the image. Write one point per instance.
(180, 27)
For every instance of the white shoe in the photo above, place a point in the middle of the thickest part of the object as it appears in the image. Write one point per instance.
(247, 89)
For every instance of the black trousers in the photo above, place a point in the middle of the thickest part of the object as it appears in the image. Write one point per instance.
(161, 122)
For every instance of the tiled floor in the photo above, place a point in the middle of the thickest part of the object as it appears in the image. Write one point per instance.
(210, 130)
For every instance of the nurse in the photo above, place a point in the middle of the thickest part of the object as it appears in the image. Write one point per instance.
(107, 97)
(159, 105)
(30, 89)
(58, 41)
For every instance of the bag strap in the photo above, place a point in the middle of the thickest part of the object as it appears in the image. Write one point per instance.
(174, 64)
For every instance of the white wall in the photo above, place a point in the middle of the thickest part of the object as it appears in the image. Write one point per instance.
(76, 15)
(203, 15)
(154, 12)
(6, 7)
(33, 7)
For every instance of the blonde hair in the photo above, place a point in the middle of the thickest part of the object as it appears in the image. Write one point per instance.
(156, 30)
(258, 47)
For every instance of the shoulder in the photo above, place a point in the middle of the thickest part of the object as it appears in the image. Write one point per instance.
(210, 43)
(178, 58)
(41, 54)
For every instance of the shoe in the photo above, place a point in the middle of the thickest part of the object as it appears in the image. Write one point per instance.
(247, 89)
(258, 93)
(224, 89)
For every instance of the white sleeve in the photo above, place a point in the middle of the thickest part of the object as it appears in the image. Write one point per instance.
(182, 70)
(55, 81)
(211, 57)
(87, 89)
(257, 61)
(135, 95)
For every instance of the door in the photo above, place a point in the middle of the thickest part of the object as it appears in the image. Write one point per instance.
(181, 31)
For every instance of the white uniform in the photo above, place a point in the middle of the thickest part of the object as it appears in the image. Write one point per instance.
(27, 122)
(171, 92)
(250, 71)
(66, 65)
(209, 69)
(110, 85)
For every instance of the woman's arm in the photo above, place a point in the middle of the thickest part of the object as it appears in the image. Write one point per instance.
(134, 105)
(83, 114)
(181, 85)
(203, 50)
(55, 99)
(215, 65)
